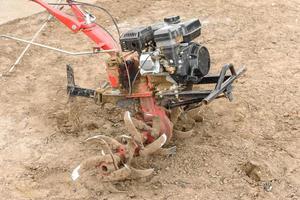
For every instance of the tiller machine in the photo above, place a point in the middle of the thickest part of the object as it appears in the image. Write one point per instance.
(151, 71)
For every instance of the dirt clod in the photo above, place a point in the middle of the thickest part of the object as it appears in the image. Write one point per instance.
(252, 171)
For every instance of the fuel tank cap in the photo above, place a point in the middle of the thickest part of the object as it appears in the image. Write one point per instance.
(172, 19)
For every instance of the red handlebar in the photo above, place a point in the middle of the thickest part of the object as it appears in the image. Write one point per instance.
(78, 23)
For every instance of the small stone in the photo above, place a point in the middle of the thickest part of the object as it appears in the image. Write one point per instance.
(226, 180)
(292, 195)
(286, 114)
(268, 186)
(115, 125)
(206, 164)
(294, 128)
(198, 118)
(208, 171)
(252, 171)
(131, 195)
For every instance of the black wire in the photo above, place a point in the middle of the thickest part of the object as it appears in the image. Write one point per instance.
(78, 3)
(119, 34)
(116, 26)
(107, 32)
(105, 10)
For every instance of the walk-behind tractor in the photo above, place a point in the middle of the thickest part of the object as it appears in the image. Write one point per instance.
(153, 72)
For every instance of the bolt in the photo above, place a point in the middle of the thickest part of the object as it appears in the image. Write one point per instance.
(74, 27)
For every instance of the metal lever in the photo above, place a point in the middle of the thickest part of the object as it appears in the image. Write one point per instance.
(57, 49)
(224, 85)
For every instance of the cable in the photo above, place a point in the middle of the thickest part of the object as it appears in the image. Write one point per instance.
(103, 9)
(107, 32)
(78, 3)
(119, 34)
(73, 2)
(138, 72)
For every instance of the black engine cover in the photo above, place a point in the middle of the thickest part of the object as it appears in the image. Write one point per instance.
(193, 63)
(172, 39)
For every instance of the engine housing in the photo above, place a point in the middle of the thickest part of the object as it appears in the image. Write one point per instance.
(168, 47)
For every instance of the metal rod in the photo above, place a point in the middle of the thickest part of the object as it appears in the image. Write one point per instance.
(57, 49)
(32, 40)
(222, 86)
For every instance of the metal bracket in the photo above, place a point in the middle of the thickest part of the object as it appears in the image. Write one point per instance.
(194, 99)
(74, 90)
(224, 86)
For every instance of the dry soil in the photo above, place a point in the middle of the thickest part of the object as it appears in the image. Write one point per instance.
(245, 149)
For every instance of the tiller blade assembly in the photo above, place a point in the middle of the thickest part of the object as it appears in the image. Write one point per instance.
(153, 74)
(115, 162)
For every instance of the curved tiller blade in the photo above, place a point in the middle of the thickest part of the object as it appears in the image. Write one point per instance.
(111, 142)
(166, 151)
(140, 173)
(154, 146)
(136, 135)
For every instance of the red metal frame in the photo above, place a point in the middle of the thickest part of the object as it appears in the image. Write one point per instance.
(104, 40)
(77, 23)
(150, 108)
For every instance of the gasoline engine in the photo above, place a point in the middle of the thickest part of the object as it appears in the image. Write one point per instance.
(168, 47)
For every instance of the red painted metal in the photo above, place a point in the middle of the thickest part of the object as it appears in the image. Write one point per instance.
(143, 89)
(77, 23)
(78, 13)
(150, 109)
(104, 40)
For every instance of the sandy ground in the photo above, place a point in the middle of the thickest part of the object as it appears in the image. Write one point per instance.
(246, 149)
(14, 9)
